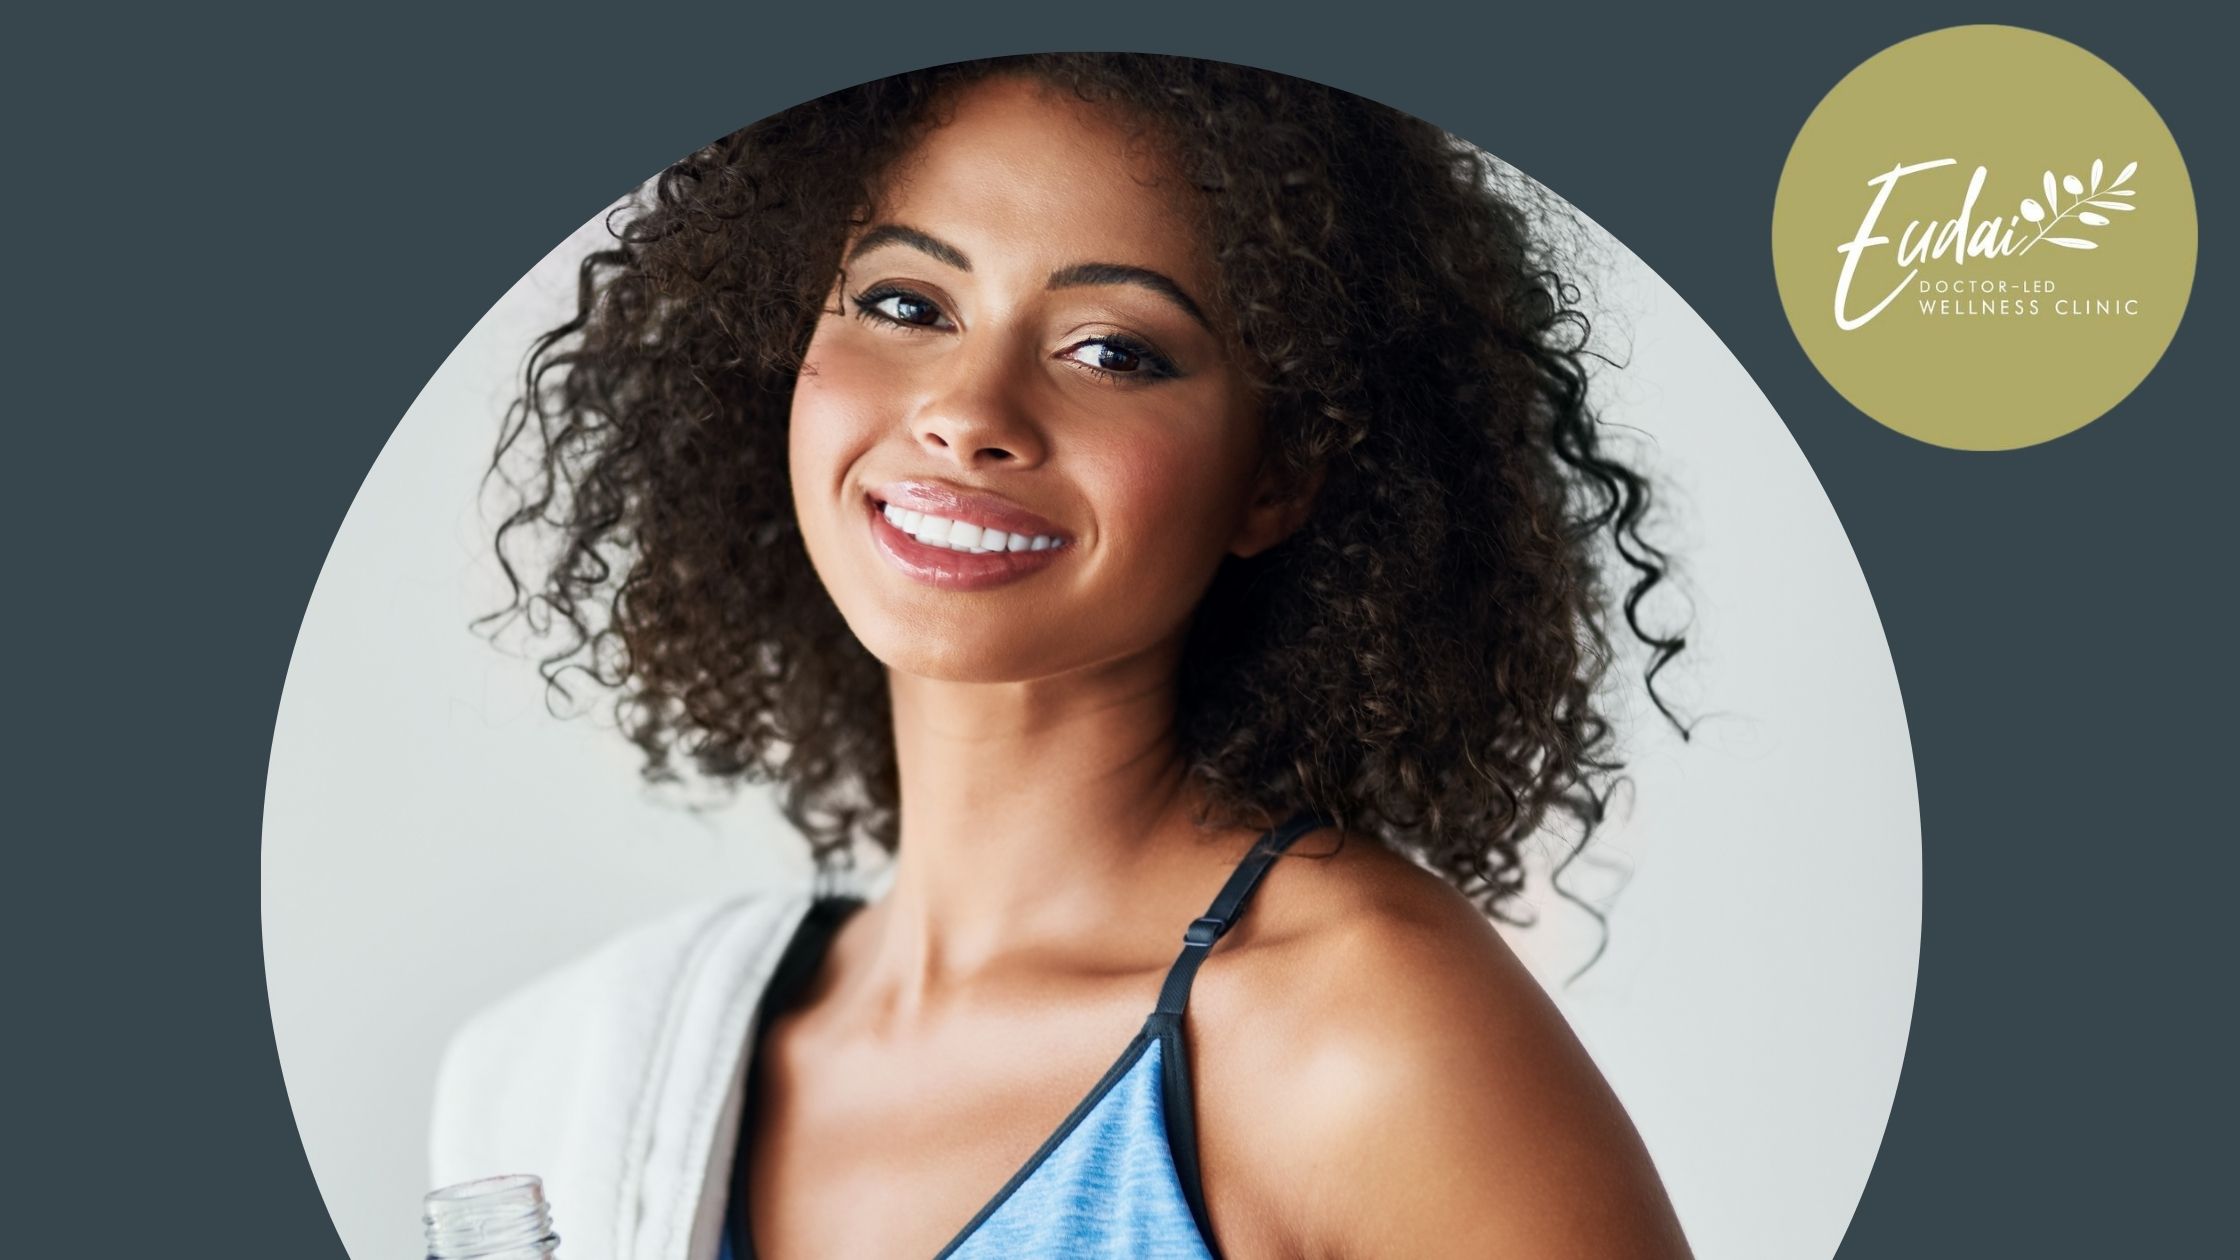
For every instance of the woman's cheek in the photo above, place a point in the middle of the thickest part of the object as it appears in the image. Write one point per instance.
(838, 405)
(1177, 489)
(838, 366)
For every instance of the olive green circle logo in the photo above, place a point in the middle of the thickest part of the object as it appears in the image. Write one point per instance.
(1984, 237)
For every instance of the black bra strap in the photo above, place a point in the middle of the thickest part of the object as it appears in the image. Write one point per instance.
(1198, 940)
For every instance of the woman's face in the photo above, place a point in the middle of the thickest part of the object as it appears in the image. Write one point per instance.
(1024, 337)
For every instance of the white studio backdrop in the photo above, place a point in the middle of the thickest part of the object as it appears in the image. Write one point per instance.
(433, 836)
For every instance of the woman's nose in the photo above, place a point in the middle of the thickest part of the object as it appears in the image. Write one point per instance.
(978, 407)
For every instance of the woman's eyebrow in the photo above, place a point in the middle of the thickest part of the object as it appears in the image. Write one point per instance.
(896, 234)
(1122, 273)
(1062, 278)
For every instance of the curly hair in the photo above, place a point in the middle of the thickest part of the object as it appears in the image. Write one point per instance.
(1420, 661)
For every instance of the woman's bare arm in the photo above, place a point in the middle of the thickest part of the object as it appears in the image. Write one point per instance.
(1444, 1108)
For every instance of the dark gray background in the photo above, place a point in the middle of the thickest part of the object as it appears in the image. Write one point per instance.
(243, 242)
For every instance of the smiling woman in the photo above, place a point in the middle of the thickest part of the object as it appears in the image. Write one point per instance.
(1098, 482)
(1015, 336)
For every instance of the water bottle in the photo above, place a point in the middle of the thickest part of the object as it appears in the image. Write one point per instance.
(495, 1218)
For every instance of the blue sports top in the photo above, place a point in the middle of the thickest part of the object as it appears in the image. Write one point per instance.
(1119, 1178)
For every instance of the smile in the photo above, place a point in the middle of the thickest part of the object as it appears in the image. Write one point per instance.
(956, 555)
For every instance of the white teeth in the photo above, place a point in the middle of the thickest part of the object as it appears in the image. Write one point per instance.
(936, 531)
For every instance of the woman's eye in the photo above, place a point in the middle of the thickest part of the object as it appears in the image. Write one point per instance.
(1107, 357)
(1119, 356)
(1114, 358)
(898, 306)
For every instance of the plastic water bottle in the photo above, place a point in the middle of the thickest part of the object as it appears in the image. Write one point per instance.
(495, 1218)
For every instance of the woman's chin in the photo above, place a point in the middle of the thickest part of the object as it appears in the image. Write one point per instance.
(967, 655)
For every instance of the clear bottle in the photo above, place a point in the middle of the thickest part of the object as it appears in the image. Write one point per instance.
(495, 1218)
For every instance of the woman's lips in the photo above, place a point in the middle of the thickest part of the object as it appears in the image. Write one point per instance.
(953, 570)
(959, 503)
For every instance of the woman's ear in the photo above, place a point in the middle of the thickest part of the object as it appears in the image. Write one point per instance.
(1274, 513)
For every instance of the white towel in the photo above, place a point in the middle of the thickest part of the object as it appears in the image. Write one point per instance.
(619, 1078)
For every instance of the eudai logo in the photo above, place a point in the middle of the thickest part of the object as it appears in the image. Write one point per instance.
(1972, 260)
(2068, 218)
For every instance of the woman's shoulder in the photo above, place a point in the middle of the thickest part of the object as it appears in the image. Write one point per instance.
(1392, 1078)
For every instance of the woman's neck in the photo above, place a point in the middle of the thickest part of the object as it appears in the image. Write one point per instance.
(1032, 814)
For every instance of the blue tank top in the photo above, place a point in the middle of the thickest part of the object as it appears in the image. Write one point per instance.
(1119, 1177)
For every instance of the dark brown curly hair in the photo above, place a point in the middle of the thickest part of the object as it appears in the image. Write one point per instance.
(1419, 661)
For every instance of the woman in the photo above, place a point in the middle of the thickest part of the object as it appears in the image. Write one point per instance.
(1190, 533)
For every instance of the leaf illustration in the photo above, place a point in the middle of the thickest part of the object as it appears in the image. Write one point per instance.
(2051, 215)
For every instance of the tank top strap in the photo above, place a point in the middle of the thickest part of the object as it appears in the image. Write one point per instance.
(1228, 904)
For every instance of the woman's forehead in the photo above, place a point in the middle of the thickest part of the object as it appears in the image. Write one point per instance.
(1021, 173)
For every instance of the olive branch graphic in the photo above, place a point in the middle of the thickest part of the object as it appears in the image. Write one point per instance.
(2081, 196)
